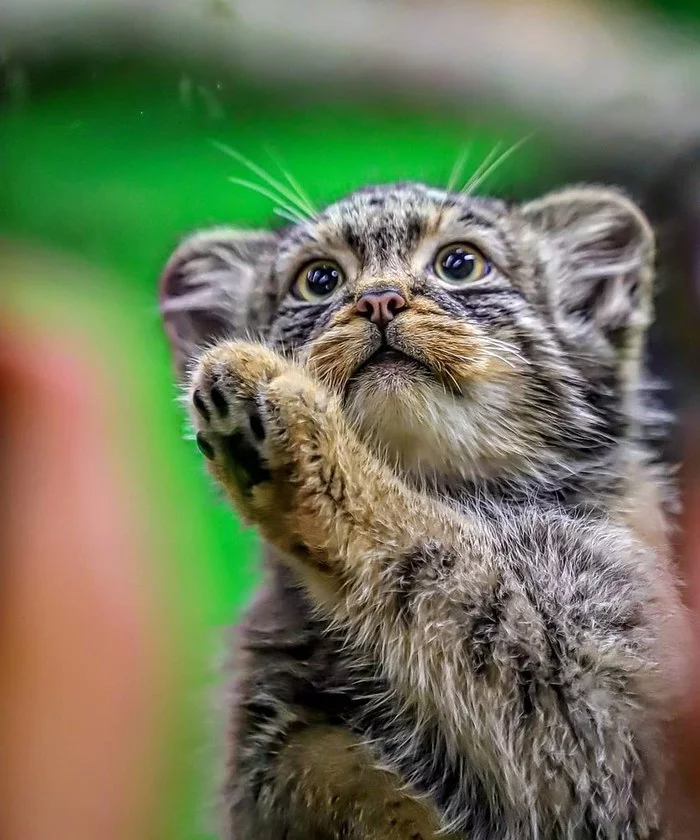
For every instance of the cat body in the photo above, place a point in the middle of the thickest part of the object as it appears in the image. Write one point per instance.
(470, 626)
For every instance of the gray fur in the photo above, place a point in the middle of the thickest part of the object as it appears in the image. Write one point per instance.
(539, 714)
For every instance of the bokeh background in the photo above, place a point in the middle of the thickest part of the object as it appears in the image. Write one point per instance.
(111, 112)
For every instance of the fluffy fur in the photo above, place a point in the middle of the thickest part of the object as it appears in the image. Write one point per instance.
(470, 623)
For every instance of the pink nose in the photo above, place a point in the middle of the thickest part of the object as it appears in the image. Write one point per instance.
(380, 307)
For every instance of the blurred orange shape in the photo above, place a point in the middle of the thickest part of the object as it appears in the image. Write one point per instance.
(80, 665)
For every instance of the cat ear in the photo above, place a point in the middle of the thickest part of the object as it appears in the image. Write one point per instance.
(599, 251)
(213, 286)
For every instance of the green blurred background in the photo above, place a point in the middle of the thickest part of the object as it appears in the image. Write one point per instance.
(113, 163)
(111, 160)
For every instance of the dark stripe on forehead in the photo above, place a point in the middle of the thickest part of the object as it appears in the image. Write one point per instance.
(374, 238)
(474, 217)
(383, 239)
(373, 221)
(414, 230)
(297, 236)
(356, 242)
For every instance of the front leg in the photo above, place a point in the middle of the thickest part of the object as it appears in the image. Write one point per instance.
(496, 632)
(229, 409)
(280, 446)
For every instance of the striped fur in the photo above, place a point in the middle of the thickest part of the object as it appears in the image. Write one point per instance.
(470, 622)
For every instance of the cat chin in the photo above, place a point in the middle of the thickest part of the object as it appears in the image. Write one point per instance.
(428, 431)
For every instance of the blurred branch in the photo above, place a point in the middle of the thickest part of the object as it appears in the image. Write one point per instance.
(608, 83)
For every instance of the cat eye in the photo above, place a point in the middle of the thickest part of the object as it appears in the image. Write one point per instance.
(318, 280)
(459, 264)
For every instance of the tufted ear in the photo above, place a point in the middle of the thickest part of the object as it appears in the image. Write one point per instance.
(214, 285)
(599, 250)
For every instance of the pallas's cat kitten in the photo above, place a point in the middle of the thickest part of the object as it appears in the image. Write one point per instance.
(432, 406)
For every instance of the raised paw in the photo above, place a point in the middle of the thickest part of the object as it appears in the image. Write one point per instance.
(275, 440)
(226, 400)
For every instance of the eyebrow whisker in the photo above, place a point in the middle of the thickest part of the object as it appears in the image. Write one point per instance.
(476, 181)
(284, 192)
(258, 188)
(455, 173)
(284, 214)
(299, 191)
(468, 187)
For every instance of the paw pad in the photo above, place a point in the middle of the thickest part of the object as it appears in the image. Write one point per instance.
(230, 429)
(205, 447)
(256, 424)
(200, 405)
(219, 401)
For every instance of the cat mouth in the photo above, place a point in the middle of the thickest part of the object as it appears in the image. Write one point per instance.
(390, 360)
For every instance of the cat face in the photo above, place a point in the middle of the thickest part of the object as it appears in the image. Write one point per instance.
(466, 338)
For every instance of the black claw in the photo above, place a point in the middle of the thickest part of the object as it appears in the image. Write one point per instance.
(256, 425)
(204, 446)
(247, 458)
(219, 401)
(199, 405)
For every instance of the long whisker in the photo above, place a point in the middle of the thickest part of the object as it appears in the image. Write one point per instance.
(453, 380)
(283, 191)
(293, 211)
(500, 160)
(466, 189)
(508, 348)
(294, 184)
(458, 167)
(501, 359)
(283, 214)
(455, 173)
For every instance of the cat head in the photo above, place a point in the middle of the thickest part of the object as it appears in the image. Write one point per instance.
(467, 337)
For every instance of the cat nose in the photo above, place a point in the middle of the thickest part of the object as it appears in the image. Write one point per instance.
(380, 307)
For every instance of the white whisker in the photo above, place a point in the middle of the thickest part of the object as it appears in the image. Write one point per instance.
(258, 188)
(508, 348)
(458, 167)
(299, 191)
(466, 189)
(501, 359)
(476, 182)
(284, 214)
(455, 173)
(283, 191)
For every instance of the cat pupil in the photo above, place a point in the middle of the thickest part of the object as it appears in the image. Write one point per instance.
(322, 279)
(458, 264)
